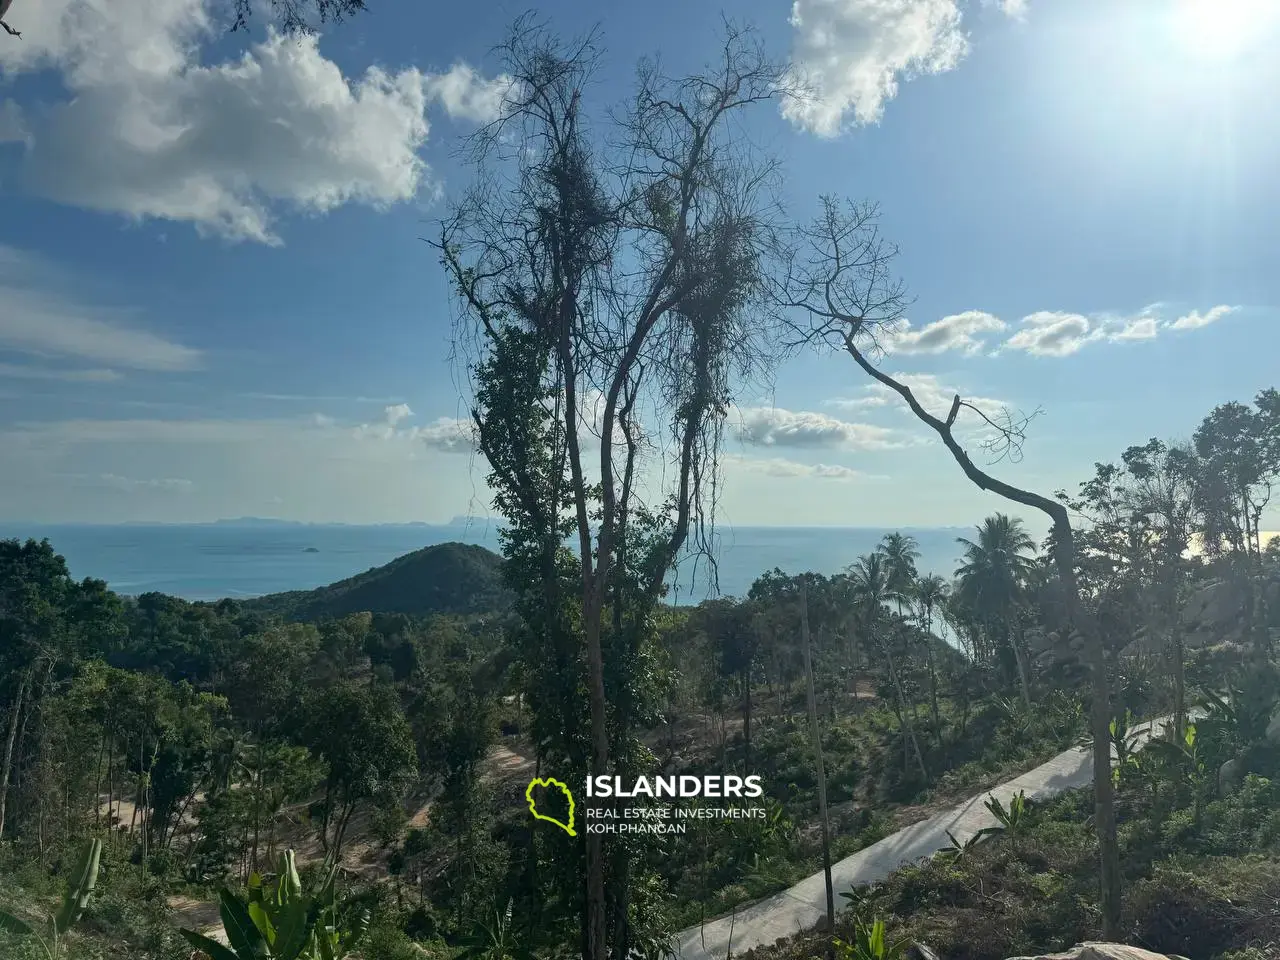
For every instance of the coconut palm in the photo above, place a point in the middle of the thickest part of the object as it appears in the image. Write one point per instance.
(992, 582)
(900, 553)
(871, 585)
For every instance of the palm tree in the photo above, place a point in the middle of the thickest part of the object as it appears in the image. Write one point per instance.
(900, 554)
(992, 582)
(870, 581)
(931, 594)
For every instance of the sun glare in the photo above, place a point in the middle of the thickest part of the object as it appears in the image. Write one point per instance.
(1221, 30)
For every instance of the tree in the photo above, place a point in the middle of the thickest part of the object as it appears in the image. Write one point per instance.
(1142, 515)
(46, 619)
(931, 596)
(992, 581)
(4, 9)
(299, 17)
(840, 279)
(598, 286)
(734, 641)
(363, 736)
(871, 579)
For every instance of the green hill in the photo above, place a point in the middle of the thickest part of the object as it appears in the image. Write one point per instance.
(449, 578)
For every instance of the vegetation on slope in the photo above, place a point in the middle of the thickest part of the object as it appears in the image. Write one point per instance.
(449, 578)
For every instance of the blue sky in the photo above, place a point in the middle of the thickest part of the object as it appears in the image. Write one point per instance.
(214, 301)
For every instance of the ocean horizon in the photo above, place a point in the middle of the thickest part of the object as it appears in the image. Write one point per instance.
(250, 557)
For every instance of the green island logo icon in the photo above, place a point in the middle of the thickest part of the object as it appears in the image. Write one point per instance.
(533, 804)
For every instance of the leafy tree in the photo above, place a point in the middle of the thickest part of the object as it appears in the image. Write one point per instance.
(599, 285)
(46, 620)
(362, 735)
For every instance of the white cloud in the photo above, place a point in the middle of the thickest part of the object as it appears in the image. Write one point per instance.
(445, 434)
(130, 485)
(1194, 320)
(55, 470)
(148, 131)
(19, 372)
(956, 332)
(848, 55)
(448, 435)
(775, 427)
(1139, 328)
(466, 95)
(1055, 333)
(208, 431)
(780, 467)
(397, 412)
(1051, 333)
(1013, 9)
(39, 318)
(13, 126)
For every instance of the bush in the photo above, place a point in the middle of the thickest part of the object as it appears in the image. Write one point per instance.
(1176, 911)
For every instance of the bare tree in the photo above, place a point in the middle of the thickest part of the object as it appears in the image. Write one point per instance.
(4, 10)
(841, 282)
(299, 17)
(613, 293)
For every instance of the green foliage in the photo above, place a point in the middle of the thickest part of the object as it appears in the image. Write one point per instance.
(870, 942)
(280, 921)
(1012, 819)
(75, 899)
(448, 578)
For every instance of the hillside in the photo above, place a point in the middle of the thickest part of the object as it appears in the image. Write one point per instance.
(448, 578)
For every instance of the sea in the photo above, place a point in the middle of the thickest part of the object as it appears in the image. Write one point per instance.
(248, 558)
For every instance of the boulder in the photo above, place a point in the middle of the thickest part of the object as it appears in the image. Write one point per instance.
(1103, 951)
(1231, 775)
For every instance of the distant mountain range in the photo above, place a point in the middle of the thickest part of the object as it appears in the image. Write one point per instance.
(277, 522)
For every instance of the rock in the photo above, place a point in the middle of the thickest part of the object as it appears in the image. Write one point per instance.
(1102, 951)
(919, 951)
(1230, 774)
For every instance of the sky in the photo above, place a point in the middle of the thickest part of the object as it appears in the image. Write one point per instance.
(215, 300)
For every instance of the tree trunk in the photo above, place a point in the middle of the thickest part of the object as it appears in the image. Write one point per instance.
(822, 773)
(597, 907)
(1064, 558)
(746, 718)
(934, 713)
(1024, 668)
(6, 771)
(903, 716)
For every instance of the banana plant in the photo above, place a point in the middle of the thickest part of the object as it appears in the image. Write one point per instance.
(1012, 819)
(871, 943)
(958, 851)
(74, 901)
(281, 921)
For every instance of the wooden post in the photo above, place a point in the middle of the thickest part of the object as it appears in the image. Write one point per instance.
(822, 774)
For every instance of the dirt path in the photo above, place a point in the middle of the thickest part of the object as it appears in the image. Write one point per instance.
(504, 768)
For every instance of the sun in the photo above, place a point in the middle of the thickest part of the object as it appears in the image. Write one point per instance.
(1221, 30)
